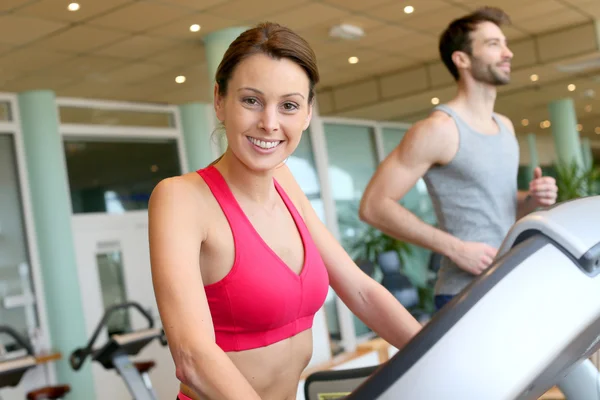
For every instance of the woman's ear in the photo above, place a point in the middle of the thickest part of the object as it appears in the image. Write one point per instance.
(219, 104)
(308, 116)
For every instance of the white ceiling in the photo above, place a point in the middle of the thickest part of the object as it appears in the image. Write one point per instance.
(133, 49)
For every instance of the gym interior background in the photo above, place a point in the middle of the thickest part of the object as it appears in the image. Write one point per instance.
(101, 99)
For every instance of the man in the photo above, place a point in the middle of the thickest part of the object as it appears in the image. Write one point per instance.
(468, 157)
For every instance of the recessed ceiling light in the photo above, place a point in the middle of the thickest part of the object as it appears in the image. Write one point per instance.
(195, 28)
(545, 124)
(597, 130)
(579, 127)
(73, 7)
(353, 60)
(409, 9)
(571, 87)
(435, 101)
(180, 79)
(534, 78)
(524, 122)
(154, 168)
(588, 108)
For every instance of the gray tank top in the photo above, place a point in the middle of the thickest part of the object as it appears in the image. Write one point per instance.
(474, 196)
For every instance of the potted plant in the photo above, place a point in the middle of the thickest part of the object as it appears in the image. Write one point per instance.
(574, 181)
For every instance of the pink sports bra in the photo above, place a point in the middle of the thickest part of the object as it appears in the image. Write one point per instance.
(261, 300)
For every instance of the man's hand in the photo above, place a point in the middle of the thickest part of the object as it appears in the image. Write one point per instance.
(542, 189)
(474, 257)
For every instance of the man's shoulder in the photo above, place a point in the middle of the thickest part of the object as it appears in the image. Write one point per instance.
(507, 122)
(436, 124)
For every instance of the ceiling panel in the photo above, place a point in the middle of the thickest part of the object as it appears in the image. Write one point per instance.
(8, 5)
(57, 9)
(394, 12)
(82, 39)
(138, 46)
(244, 10)
(25, 60)
(358, 5)
(308, 15)
(139, 16)
(552, 21)
(189, 54)
(180, 29)
(198, 5)
(20, 30)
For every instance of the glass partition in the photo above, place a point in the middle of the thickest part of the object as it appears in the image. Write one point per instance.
(17, 302)
(302, 165)
(115, 176)
(115, 117)
(5, 111)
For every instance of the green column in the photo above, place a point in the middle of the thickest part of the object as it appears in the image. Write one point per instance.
(533, 155)
(564, 130)
(196, 125)
(215, 45)
(586, 151)
(47, 177)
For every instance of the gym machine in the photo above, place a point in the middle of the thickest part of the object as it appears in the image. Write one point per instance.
(115, 354)
(529, 322)
(13, 368)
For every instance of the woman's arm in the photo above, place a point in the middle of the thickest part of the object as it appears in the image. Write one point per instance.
(176, 231)
(364, 296)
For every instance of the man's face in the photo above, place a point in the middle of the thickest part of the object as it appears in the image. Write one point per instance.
(490, 55)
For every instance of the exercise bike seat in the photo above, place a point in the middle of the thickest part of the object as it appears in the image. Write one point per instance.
(144, 366)
(49, 393)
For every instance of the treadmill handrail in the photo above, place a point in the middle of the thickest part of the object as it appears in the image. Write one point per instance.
(20, 339)
(79, 355)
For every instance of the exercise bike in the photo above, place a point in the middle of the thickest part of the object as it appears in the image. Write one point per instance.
(115, 354)
(12, 370)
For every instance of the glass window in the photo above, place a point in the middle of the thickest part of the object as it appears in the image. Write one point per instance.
(17, 304)
(119, 175)
(97, 116)
(302, 166)
(352, 162)
(5, 111)
(112, 284)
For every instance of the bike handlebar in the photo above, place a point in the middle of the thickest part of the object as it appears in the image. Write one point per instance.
(79, 355)
(20, 339)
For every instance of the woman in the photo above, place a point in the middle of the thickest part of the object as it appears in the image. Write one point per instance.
(240, 261)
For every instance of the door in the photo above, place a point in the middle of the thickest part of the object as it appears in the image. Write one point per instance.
(114, 267)
(18, 308)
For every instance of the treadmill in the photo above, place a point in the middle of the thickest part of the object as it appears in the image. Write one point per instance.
(529, 322)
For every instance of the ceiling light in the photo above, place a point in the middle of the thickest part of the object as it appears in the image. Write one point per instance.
(435, 101)
(353, 60)
(579, 127)
(571, 87)
(588, 108)
(409, 9)
(180, 79)
(73, 7)
(154, 168)
(346, 32)
(195, 28)
(545, 124)
(597, 130)
(525, 122)
(534, 78)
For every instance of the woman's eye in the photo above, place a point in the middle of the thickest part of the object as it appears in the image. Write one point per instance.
(289, 106)
(250, 101)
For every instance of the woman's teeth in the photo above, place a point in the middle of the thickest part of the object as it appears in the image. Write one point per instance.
(262, 144)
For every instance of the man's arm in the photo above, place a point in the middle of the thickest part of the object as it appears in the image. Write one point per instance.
(427, 143)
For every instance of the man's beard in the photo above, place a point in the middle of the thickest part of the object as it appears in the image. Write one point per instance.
(488, 73)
